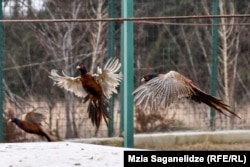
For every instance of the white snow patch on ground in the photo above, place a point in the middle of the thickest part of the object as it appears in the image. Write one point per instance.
(60, 154)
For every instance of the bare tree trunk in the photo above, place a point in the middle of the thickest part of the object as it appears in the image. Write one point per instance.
(224, 52)
(189, 53)
(69, 130)
(229, 55)
(98, 33)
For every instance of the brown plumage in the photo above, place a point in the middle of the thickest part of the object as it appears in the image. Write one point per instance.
(160, 90)
(94, 88)
(33, 122)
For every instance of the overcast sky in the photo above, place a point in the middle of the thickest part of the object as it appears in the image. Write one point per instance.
(7, 7)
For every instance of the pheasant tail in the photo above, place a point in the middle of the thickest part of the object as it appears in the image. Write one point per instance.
(213, 102)
(48, 136)
(97, 110)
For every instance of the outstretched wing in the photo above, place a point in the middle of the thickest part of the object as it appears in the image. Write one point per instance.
(163, 90)
(109, 77)
(68, 83)
(37, 115)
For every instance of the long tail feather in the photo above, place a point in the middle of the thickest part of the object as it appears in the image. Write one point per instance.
(51, 138)
(213, 102)
(48, 136)
(97, 110)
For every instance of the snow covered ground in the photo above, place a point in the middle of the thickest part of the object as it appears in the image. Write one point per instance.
(59, 154)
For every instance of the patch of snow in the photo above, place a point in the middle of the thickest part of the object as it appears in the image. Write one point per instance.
(63, 154)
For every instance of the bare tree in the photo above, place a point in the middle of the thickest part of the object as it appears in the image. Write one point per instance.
(98, 32)
(73, 42)
(229, 51)
(65, 41)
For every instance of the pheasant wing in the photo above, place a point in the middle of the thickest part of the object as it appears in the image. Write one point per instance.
(109, 77)
(68, 83)
(163, 90)
(36, 116)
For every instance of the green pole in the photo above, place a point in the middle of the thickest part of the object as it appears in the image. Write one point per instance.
(1, 75)
(214, 59)
(111, 34)
(127, 86)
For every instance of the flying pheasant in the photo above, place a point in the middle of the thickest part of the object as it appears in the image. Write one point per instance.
(160, 90)
(94, 88)
(33, 122)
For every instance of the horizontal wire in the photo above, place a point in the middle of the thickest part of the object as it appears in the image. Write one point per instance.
(123, 19)
(194, 24)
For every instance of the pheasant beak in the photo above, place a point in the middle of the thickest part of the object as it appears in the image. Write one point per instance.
(143, 80)
(10, 120)
(78, 67)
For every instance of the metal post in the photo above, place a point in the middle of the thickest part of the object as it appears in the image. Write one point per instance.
(214, 59)
(1, 75)
(127, 86)
(111, 35)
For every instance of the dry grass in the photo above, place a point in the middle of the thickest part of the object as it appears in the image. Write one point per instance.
(58, 122)
(188, 115)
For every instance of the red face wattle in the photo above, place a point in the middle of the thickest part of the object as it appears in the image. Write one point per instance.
(147, 78)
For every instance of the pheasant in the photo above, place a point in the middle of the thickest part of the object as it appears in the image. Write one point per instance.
(93, 88)
(33, 122)
(160, 90)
